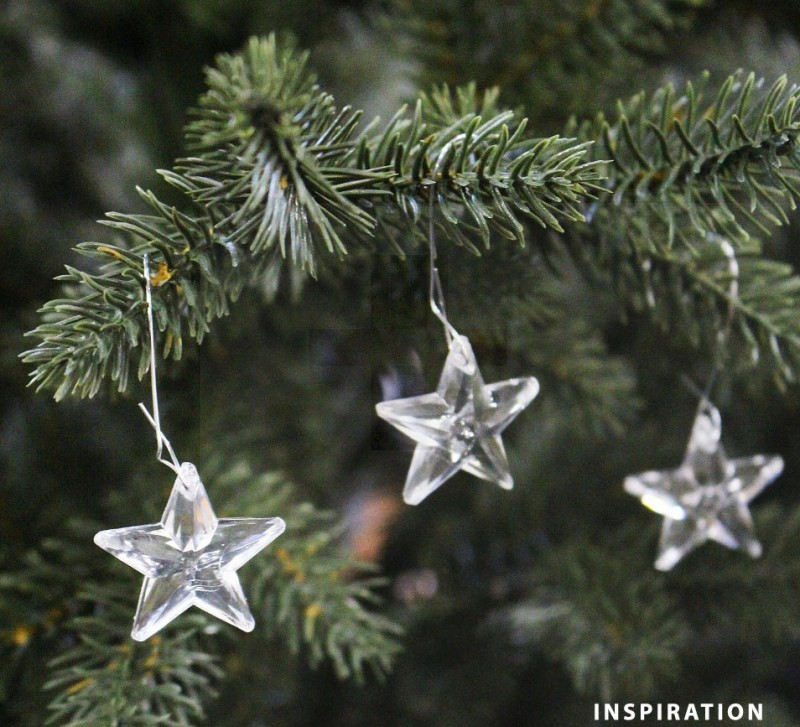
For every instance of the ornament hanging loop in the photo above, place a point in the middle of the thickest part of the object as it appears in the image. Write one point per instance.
(435, 292)
(155, 418)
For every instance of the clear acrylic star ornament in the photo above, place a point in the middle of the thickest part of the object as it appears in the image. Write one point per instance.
(706, 497)
(190, 558)
(459, 425)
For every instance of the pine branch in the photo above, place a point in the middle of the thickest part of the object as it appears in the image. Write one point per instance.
(303, 591)
(100, 676)
(609, 621)
(549, 318)
(763, 307)
(272, 154)
(104, 678)
(689, 172)
(277, 165)
(534, 49)
(93, 333)
(310, 593)
(686, 166)
(488, 176)
(694, 294)
(575, 364)
(34, 602)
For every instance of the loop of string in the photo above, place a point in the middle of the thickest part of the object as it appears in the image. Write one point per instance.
(436, 294)
(155, 419)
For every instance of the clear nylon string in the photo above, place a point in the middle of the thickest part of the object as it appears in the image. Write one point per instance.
(733, 296)
(436, 294)
(725, 332)
(155, 419)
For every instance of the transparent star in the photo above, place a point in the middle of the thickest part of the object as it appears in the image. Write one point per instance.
(190, 558)
(706, 498)
(459, 426)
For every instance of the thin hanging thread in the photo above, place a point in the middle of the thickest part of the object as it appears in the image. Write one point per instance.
(435, 293)
(155, 419)
(733, 296)
(725, 332)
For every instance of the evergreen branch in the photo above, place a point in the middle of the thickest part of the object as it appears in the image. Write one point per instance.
(270, 153)
(684, 166)
(100, 676)
(488, 176)
(569, 316)
(92, 334)
(310, 594)
(305, 594)
(35, 600)
(686, 170)
(278, 165)
(600, 389)
(104, 678)
(768, 294)
(534, 49)
(690, 292)
(609, 621)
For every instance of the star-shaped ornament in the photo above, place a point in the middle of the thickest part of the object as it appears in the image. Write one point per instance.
(706, 498)
(190, 558)
(459, 426)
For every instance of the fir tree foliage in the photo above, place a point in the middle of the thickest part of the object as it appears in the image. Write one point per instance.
(105, 678)
(532, 48)
(278, 159)
(689, 173)
(622, 630)
(586, 613)
(306, 595)
(633, 210)
(719, 159)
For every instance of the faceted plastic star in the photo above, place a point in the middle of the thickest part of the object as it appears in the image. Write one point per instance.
(459, 426)
(190, 558)
(706, 498)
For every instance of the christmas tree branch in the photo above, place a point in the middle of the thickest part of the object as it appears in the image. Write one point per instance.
(705, 161)
(621, 629)
(548, 318)
(100, 676)
(92, 333)
(105, 678)
(688, 173)
(310, 593)
(278, 168)
(277, 159)
(531, 48)
(762, 306)
(695, 293)
(303, 590)
(760, 596)
(588, 614)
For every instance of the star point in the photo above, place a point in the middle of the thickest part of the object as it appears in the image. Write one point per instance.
(707, 496)
(190, 558)
(458, 426)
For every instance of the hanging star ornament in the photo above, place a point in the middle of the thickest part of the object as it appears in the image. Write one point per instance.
(706, 498)
(190, 558)
(458, 426)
